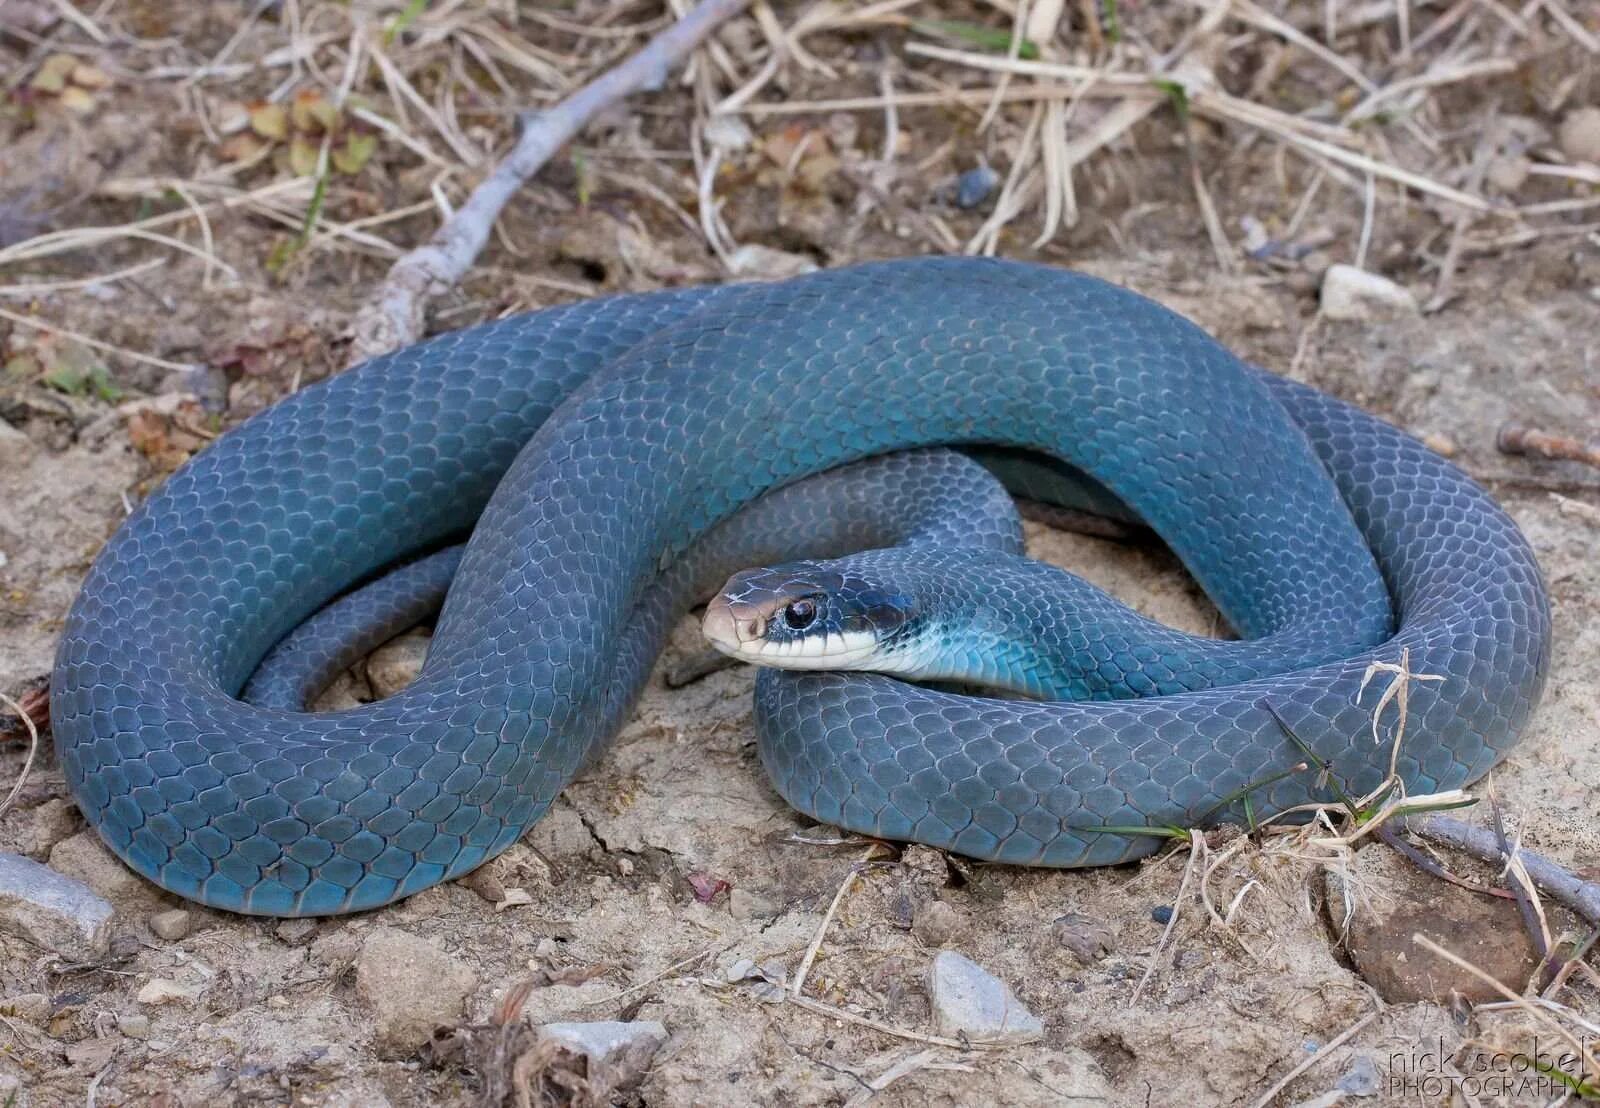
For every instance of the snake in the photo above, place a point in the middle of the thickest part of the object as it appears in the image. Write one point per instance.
(590, 453)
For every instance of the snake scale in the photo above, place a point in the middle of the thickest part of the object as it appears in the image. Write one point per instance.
(588, 447)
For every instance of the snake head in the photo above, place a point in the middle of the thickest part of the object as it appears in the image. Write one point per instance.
(806, 615)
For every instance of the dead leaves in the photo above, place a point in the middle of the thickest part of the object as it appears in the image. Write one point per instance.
(69, 81)
(296, 133)
(169, 435)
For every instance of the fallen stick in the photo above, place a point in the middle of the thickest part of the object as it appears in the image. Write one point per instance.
(1583, 897)
(393, 318)
(1515, 439)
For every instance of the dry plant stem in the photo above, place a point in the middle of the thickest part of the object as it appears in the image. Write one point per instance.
(815, 945)
(1538, 1012)
(1196, 846)
(1325, 1052)
(1516, 439)
(394, 317)
(1583, 897)
(33, 750)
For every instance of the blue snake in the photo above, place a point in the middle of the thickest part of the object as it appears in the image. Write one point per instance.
(596, 451)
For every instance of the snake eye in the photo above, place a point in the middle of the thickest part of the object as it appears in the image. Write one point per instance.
(800, 614)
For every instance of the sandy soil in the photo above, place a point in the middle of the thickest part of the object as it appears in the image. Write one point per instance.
(602, 903)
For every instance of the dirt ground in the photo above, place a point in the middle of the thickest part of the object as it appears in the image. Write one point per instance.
(673, 861)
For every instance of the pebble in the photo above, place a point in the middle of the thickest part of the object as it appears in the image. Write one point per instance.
(937, 924)
(1162, 914)
(1580, 135)
(393, 665)
(974, 186)
(33, 1007)
(1508, 173)
(1361, 1079)
(160, 990)
(295, 931)
(135, 1026)
(970, 1001)
(46, 824)
(743, 904)
(53, 911)
(1349, 293)
(411, 986)
(15, 447)
(171, 925)
(619, 1054)
(765, 263)
(1088, 939)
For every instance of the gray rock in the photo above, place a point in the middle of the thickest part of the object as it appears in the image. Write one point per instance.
(15, 447)
(1580, 135)
(171, 925)
(1349, 293)
(393, 665)
(969, 1001)
(619, 1053)
(53, 911)
(43, 826)
(1087, 938)
(743, 904)
(135, 1025)
(937, 924)
(33, 1007)
(412, 986)
(295, 931)
(1361, 1079)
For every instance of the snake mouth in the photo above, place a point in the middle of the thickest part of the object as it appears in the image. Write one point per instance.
(734, 627)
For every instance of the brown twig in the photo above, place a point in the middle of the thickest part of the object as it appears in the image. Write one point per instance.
(393, 317)
(1583, 897)
(1528, 441)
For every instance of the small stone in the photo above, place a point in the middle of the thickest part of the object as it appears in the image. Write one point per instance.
(1162, 914)
(1507, 173)
(159, 990)
(1441, 444)
(765, 263)
(393, 665)
(1088, 939)
(412, 986)
(1580, 135)
(295, 932)
(33, 1007)
(937, 924)
(1349, 293)
(730, 132)
(560, 837)
(135, 1026)
(1361, 1079)
(971, 1002)
(743, 904)
(974, 186)
(619, 1054)
(53, 911)
(48, 823)
(15, 447)
(171, 925)
(1389, 901)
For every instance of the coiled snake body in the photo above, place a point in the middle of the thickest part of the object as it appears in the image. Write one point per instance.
(1293, 510)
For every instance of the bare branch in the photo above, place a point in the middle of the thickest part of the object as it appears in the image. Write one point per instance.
(393, 318)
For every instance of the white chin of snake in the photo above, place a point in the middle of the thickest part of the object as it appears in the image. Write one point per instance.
(859, 650)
